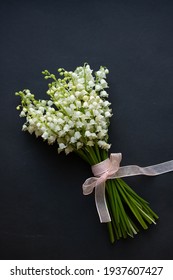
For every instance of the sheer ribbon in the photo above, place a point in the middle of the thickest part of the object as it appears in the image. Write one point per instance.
(110, 169)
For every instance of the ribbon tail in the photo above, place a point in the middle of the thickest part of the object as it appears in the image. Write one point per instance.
(153, 170)
(101, 204)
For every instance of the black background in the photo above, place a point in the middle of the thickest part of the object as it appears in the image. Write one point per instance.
(43, 214)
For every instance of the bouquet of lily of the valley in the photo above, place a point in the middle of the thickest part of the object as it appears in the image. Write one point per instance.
(76, 118)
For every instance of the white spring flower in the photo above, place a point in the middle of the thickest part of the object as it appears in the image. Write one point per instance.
(108, 114)
(79, 124)
(80, 86)
(91, 84)
(87, 133)
(50, 103)
(38, 124)
(72, 106)
(103, 93)
(90, 143)
(31, 129)
(61, 147)
(57, 128)
(45, 135)
(79, 145)
(103, 144)
(22, 114)
(78, 94)
(24, 127)
(78, 103)
(103, 83)
(100, 74)
(77, 135)
(73, 140)
(98, 87)
(41, 109)
(77, 113)
(72, 98)
(60, 121)
(51, 139)
(69, 149)
(85, 105)
(66, 127)
(42, 129)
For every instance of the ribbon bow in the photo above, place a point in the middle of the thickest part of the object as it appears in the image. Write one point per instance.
(110, 169)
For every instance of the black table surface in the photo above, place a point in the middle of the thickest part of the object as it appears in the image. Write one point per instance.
(43, 213)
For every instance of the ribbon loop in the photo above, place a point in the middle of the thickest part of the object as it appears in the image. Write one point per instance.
(110, 169)
(89, 185)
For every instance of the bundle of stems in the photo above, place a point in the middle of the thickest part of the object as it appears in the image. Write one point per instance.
(128, 211)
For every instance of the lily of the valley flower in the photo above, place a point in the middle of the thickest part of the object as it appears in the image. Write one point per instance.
(77, 113)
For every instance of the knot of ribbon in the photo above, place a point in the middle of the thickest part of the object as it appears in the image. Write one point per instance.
(110, 169)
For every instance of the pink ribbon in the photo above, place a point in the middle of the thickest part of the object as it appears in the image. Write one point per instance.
(110, 169)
